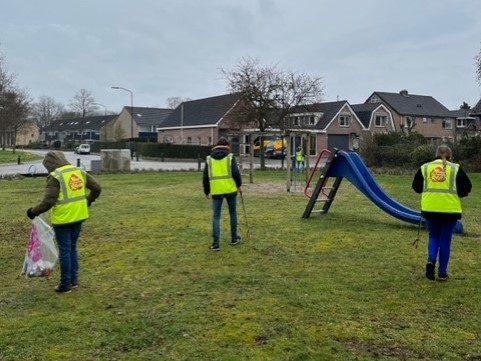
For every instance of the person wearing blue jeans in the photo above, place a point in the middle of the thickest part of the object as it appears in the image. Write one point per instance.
(222, 180)
(441, 184)
(217, 210)
(67, 237)
(67, 199)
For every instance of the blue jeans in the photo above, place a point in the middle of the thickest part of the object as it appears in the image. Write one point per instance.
(217, 210)
(439, 243)
(67, 236)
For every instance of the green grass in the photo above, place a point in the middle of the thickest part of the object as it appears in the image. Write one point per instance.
(347, 285)
(7, 156)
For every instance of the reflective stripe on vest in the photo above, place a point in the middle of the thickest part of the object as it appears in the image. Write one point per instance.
(220, 175)
(71, 205)
(439, 191)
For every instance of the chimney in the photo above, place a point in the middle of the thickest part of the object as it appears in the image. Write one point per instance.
(404, 93)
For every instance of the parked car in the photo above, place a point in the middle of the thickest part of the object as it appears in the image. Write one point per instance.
(83, 149)
(275, 153)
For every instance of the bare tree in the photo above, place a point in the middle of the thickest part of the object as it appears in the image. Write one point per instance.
(83, 104)
(14, 106)
(46, 110)
(477, 63)
(174, 102)
(269, 95)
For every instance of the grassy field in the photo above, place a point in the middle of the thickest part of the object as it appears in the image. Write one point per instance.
(347, 285)
(7, 156)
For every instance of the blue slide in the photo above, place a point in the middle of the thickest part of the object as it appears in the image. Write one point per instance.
(350, 166)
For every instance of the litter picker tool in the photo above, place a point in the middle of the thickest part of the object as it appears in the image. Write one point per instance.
(245, 215)
(416, 241)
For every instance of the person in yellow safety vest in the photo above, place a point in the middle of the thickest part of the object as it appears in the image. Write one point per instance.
(441, 184)
(222, 179)
(299, 159)
(67, 199)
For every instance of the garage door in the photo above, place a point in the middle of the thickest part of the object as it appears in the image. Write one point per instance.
(339, 141)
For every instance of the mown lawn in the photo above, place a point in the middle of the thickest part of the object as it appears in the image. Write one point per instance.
(347, 285)
(8, 156)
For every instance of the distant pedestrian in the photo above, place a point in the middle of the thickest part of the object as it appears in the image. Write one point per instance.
(222, 179)
(300, 159)
(442, 184)
(67, 199)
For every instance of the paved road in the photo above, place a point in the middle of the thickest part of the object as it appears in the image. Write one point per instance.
(85, 161)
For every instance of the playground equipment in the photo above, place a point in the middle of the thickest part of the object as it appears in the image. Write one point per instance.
(349, 165)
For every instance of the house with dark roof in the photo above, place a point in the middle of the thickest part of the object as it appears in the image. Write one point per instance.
(77, 130)
(201, 121)
(138, 122)
(417, 113)
(375, 117)
(329, 125)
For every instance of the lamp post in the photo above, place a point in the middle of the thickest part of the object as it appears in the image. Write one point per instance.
(132, 144)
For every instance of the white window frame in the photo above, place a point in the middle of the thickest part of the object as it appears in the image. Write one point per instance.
(447, 123)
(461, 123)
(344, 120)
(380, 121)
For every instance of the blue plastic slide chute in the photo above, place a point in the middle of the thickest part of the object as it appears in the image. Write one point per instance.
(350, 166)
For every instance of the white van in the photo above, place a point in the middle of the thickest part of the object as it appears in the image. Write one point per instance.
(83, 149)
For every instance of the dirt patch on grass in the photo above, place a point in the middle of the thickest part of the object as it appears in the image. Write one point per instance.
(266, 187)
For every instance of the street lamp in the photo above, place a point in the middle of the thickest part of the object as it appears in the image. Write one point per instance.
(132, 144)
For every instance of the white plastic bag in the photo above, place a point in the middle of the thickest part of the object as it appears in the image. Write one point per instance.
(41, 254)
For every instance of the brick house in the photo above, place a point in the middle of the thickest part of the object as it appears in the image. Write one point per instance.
(329, 125)
(26, 134)
(417, 113)
(200, 121)
(137, 122)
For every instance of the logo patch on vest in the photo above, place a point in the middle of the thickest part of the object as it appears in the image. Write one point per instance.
(438, 175)
(75, 183)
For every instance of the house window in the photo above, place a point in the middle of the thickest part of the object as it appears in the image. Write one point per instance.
(168, 139)
(344, 120)
(461, 123)
(380, 121)
(447, 124)
(189, 140)
(375, 99)
(303, 120)
(410, 122)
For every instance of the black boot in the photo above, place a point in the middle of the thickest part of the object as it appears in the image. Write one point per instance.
(430, 266)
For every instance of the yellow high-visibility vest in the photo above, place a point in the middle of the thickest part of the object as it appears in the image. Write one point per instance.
(71, 205)
(220, 175)
(300, 156)
(439, 191)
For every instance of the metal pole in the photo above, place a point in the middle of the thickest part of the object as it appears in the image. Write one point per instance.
(132, 144)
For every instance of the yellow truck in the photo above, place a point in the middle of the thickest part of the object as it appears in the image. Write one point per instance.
(274, 147)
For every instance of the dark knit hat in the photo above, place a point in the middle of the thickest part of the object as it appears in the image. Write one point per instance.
(223, 141)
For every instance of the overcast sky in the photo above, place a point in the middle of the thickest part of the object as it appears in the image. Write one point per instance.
(176, 48)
